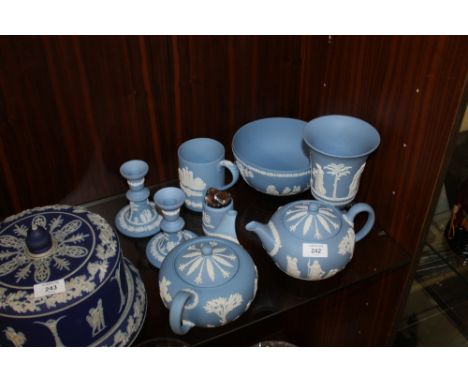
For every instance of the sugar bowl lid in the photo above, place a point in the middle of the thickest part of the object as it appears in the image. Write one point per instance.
(311, 220)
(206, 261)
(53, 257)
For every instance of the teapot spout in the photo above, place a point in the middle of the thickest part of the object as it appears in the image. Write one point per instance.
(270, 242)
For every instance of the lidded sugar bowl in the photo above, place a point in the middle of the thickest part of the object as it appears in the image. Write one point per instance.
(311, 240)
(206, 282)
(64, 281)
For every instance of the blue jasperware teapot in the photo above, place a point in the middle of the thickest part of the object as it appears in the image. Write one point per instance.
(310, 240)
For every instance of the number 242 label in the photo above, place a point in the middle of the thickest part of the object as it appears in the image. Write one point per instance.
(314, 250)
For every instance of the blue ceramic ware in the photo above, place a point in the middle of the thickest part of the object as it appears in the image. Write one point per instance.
(220, 222)
(339, 147)
(206, 282)
(64, 281)
(139, 218)
(201, 165)
(272, 157)
(168, 200)
(310, 240)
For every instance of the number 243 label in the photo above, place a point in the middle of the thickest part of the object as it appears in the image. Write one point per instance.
(50, 288)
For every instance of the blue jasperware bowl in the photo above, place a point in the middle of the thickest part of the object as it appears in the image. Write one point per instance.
(272, 157)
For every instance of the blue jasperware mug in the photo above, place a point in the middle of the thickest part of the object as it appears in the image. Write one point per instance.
(201, 165)
(339, 146)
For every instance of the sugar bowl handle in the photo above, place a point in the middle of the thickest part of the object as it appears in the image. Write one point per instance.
(357, 209)
(176, 313)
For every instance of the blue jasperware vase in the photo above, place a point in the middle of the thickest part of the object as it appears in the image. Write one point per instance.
(339, 146)
(206, 282)
(310, 240)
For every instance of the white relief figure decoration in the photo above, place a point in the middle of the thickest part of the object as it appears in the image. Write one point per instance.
(292, 269)
(271, 190)
(322, 220)
(190, 185)
(95, 319)
(315, 271)
(347, 243)
(52, 326)
(354, 185)
(338, 171)
(67, 246)
(217, 262)
(18, 339)
(164, 290)
(221, 306)
(317, 180)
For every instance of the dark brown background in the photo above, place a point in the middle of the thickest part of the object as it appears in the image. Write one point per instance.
(72, 109)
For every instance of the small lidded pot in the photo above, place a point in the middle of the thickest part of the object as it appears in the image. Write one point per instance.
(311, 240)
(206, 282)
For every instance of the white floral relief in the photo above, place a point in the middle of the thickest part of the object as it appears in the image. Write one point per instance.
(346, 244)
(276, 239)
(331, 272)
(164, 290)
(245, 172)
(147, 222)
(324, 219)
(66, 237)
(208, 267)
(315, 271)
(95, 319)
(18, 339)
(222, 306)
(292, 268)
(354, 185)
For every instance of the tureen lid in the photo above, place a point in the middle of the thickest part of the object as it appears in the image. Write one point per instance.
(206, 261)
(53, 257)
(311, 220)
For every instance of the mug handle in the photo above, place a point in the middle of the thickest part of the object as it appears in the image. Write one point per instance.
(176, 311)
(357, 209)
(234, 172)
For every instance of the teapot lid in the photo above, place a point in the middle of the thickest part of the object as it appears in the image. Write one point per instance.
(206, 261)
(53, 257)
(311, 220)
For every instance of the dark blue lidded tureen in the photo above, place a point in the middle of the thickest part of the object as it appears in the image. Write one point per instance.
(64, 281)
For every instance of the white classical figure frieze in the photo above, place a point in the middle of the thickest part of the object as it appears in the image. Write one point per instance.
(315, 271)
(292, 268)
(95, 319)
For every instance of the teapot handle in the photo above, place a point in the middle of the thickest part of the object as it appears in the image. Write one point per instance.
(176, 311)
(357, 209)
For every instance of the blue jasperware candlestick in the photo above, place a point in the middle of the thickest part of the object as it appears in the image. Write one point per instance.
(139, 218)
(169, 200)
